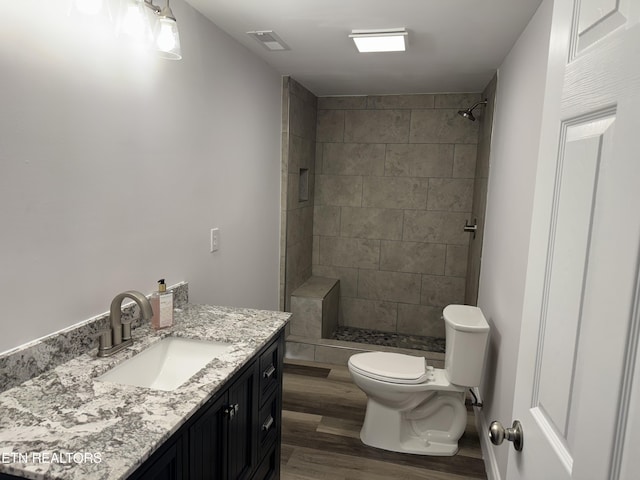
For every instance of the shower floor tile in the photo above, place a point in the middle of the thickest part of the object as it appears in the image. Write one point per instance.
(389, 339)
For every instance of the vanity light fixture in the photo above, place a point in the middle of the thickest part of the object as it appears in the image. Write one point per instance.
(384, 40)
(134, 23)
(167, 38)
(87, 7)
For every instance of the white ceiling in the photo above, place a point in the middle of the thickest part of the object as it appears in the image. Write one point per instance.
(453, 45)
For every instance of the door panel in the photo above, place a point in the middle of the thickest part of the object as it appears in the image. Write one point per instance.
(577, 376)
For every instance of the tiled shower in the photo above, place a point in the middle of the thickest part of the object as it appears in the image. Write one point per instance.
(378, 190)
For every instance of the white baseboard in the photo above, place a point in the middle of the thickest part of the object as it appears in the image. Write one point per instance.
(488, 453)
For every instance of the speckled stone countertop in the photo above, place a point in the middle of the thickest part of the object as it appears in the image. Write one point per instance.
(63, 424)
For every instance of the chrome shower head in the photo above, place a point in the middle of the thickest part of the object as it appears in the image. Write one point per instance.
(468, 113)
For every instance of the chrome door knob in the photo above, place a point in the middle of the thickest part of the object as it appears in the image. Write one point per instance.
(497, 434)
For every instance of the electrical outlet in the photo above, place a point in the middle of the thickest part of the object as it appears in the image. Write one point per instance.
(215, 239)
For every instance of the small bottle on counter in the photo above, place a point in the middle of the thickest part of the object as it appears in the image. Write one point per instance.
(162, 305)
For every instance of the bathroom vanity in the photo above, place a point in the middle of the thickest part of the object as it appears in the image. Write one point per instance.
(222, 423)
(235, 435)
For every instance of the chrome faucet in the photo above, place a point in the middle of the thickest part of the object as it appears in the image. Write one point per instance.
(119, 335)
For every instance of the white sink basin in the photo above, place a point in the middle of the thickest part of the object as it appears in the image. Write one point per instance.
(167, 364)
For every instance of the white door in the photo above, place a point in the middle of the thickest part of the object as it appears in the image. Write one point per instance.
(578, 375)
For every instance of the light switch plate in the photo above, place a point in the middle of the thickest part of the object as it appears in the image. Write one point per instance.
(215, 239)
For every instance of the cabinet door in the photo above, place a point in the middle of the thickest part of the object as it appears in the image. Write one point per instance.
(166, 464)
(207, 445)
(243, 425)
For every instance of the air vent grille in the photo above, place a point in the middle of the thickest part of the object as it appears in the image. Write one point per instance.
(269, 40)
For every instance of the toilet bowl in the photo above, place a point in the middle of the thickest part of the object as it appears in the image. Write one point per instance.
(413, 407)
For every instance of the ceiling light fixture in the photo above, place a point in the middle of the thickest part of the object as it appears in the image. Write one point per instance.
(384, 40)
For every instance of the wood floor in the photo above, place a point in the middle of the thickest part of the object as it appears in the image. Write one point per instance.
(322, 414)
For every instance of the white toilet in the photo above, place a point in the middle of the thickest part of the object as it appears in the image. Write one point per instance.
(413, 407)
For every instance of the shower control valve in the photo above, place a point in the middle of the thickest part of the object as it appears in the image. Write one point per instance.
(471, 228)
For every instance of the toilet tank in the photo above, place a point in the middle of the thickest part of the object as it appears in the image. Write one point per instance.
(466, 332)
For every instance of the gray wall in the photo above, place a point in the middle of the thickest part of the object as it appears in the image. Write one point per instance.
(394, 186)
(115, 164)
(298, 156)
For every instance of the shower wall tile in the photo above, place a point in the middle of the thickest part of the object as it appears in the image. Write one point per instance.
(301, 153)
(394, 192)
(394, 185)
(293, 180)
(330, 126)
(480, 192)
(326, 220)
(301, 92)
(482, 168)
(360, 313)
(459, 101)
(298, 268)
(302, 117)
(353, 159)
(456, 264)
(300, 351)
(299, 119)
(318, 158)
(315, 251)
(306, 320)
(349, 252)
(435, 227)
(374, 223)
(348, 278)
(413, 257)
(389, 286)
(439, 291)
(419, 160)
(338, 190)
(450, 194)
(420, 320)
(441, 126)
(295, 226)
(342, 103)
(464, 160)
(376, 126)
(382, 102)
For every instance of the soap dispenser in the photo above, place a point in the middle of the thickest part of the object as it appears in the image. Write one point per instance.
(162, 305)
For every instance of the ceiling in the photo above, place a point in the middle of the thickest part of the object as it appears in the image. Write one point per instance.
(453, 45)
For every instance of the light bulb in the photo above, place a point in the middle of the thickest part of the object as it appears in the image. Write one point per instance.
(134, 22)
(88, 7)
(168, 38)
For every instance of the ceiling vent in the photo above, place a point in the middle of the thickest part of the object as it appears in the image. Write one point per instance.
(269, 40)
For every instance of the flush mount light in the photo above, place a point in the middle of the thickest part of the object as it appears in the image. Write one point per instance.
(385, 40)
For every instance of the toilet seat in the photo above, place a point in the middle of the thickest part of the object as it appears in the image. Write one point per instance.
(390, 367)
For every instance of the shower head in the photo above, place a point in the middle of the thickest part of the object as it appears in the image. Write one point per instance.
(468, 113)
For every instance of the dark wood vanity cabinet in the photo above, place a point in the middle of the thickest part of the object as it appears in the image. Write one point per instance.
(235, 435)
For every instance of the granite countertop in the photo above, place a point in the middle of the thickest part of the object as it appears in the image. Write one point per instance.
(63, 424)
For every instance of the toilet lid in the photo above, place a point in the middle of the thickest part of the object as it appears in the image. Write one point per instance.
(390, 367)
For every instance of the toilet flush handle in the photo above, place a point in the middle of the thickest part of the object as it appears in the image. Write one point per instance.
(497, 434)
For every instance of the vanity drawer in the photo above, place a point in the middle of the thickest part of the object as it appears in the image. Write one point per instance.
(270, 370)
(269, 468)
(268, 421)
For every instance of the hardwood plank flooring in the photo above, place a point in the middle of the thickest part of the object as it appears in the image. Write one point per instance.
(323, 411)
